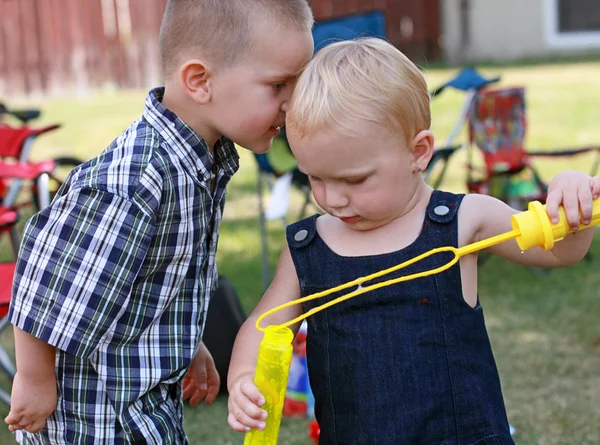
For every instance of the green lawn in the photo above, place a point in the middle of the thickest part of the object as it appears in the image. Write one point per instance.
(545, 329)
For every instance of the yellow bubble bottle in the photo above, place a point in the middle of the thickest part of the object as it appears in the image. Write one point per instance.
(272, 370)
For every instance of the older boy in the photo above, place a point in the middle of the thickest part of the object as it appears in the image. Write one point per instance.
(114, 278)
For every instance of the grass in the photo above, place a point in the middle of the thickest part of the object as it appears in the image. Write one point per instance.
(544, 329)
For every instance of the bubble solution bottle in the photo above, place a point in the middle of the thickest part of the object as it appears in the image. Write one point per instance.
(272, 370)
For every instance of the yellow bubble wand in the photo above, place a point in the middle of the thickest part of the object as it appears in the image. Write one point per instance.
(531, 228)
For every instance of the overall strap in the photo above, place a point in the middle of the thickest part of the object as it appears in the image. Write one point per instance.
(301, 233)
(443, 206)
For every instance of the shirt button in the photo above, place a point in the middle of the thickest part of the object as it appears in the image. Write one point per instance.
(441, 210)
(301, 235)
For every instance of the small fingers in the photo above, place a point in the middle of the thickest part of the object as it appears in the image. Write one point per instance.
(571, 206)
(595, 186)
(214, 385)
(236, 425)
(188, 387)
(245, 409)
(200, 378)
(249, 389)
(16, 422)
(585, 204)
(243, 417)
(12, 418)
(249, 408)
(35, 426)
(197, 397)
(21, 425)
(552, 203)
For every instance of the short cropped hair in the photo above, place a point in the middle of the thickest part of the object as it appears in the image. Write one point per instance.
(223, 30)
(366, 79)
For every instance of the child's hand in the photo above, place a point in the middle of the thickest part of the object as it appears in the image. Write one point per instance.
(575, 191)
(32, 401)
(244, 403)
(202, 379)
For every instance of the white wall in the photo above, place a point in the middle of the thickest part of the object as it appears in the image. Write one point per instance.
(509, 29)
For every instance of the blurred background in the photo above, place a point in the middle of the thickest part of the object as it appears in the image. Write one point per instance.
(86, 65)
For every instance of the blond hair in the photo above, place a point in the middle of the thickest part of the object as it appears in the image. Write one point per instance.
(366, 79)
(223, 30)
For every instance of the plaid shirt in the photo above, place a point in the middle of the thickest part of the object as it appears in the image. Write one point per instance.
(117, 274)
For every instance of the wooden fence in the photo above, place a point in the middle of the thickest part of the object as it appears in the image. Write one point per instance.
(53, 46)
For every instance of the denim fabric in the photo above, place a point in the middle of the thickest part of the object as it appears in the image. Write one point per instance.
(409, 363)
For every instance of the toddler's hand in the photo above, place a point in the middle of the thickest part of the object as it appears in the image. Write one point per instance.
(202, 380)
(244, 403)
(32, 401)
(575, 191)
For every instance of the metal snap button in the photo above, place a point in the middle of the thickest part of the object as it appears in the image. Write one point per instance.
(301, 235)
(441, 210)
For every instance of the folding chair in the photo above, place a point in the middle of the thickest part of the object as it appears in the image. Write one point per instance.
(470, 82)
(497, 127)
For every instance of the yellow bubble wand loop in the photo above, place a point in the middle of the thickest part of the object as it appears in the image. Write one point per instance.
(531, 228)
(458, 253)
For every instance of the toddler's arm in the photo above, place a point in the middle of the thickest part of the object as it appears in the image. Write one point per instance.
(33, 396)
(486, 216)
(244, 398)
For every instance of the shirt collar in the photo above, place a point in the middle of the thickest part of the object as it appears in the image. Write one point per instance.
(186, 143)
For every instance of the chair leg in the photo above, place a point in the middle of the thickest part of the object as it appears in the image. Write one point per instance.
(6, 363)
(13, 190)
(307, 195)
(4, 397)
(265, 269)
(43, 190)
(14, 242)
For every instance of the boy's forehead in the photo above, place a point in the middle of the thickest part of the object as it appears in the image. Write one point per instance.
(282, 52)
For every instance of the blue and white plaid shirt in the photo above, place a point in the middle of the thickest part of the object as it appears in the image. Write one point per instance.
(117, 274)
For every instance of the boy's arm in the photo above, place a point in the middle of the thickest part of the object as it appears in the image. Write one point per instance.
(75, 273)
(486, 217)
(202, 381)
(77, 268)
(33, 396)
(284, 287)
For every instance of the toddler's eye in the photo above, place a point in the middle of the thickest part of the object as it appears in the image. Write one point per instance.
(356, 181)
(278, 86)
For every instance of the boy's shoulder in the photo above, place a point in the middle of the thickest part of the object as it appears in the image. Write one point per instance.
(133, 164)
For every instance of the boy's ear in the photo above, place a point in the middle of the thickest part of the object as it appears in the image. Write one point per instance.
(422, 149)
(195, 76)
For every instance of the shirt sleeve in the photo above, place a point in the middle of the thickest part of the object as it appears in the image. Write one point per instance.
(77, 267)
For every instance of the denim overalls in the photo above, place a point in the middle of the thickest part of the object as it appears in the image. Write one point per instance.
(409, 363)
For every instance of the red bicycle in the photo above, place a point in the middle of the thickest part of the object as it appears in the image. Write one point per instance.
(16, 143)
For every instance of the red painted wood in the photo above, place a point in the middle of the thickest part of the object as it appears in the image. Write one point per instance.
(57, 45)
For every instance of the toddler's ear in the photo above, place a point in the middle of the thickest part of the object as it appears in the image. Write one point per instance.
(195, 77)
(422, 149)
